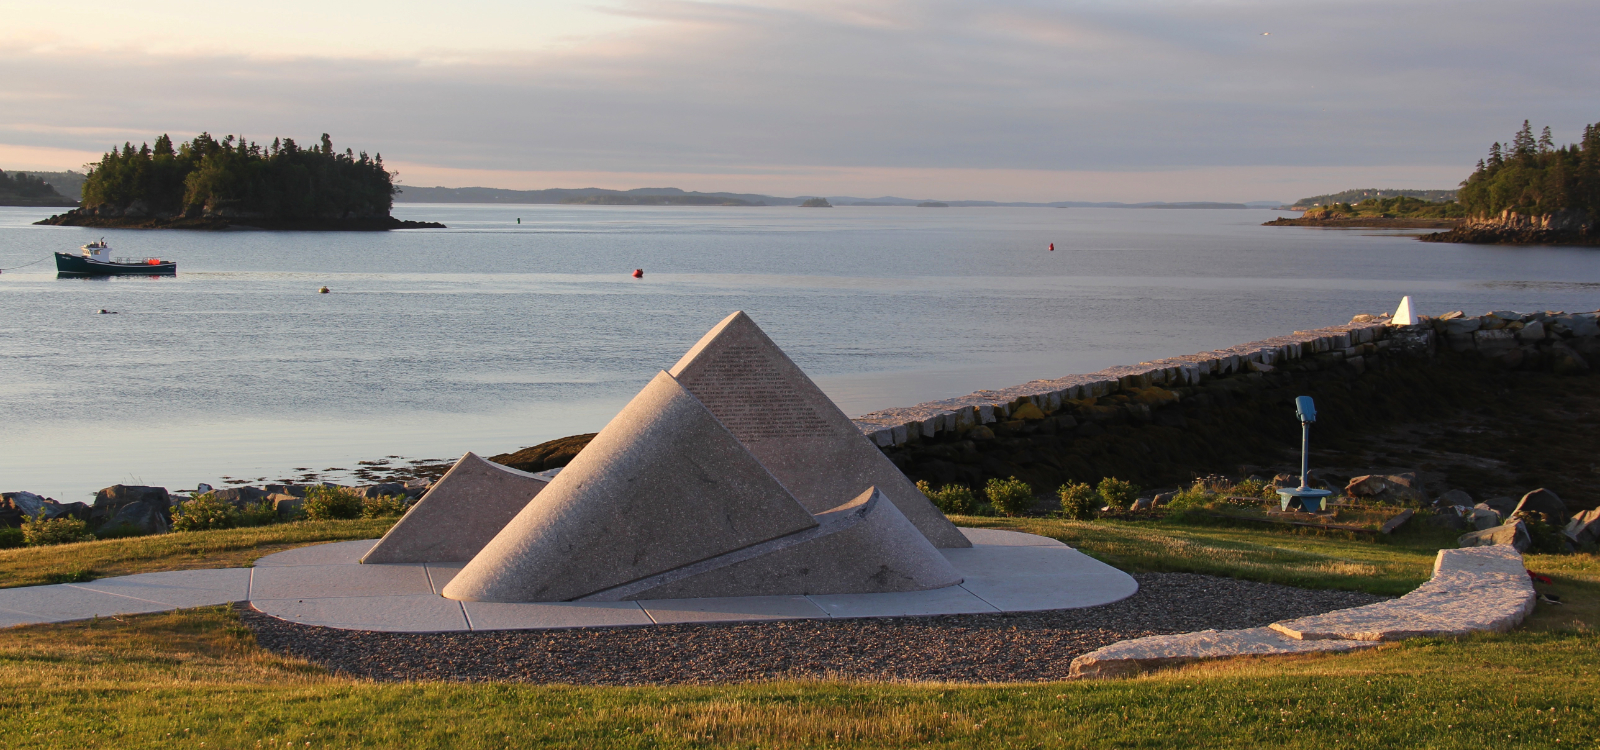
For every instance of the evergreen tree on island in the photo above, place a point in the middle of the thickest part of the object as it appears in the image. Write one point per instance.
(1532, 177)
(207, 183)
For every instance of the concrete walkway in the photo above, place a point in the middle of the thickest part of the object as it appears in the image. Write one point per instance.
(1004, 571)
(1478, 589)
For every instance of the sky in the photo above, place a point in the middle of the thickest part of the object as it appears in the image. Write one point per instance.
(1222, 100)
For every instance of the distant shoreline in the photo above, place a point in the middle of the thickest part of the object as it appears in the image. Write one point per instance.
(364, 224)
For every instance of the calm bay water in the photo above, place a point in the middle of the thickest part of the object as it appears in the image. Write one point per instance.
(489, 336)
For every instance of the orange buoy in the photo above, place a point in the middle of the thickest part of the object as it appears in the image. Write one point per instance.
(638, 273)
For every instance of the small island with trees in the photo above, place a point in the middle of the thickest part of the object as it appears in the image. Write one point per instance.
(1525, 193)
(215, 184)
(816, 203)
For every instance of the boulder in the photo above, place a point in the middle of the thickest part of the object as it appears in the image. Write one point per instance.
(387, 489)
(109, 501)
(1584, 527)
(296, 490)
(288, 506)
(1502, 505)
(1545, 502)
(1513, 534)
(1391, 488)
(239, 497)
(1454, 498)
(1143, 503)
(146, 518)
(80, 511)
(1531, 332)
(1484, 517)
(16, 506)
(416, 488)
(1461, 325)
(1161, 499)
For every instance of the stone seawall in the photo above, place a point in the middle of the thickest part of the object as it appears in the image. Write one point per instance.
(1166, 420)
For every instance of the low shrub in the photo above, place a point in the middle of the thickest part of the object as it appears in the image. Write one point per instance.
(324, 503)
(952, 499)
(11, 538)
(204, 513)
(38, 532)
(1079, 501)
(383, 506)
(1117, 494)
(1012, 496)
(259, 514)
(1196, 497)
(1255, 488)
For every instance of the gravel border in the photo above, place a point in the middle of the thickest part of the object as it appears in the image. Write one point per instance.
(1010, 647)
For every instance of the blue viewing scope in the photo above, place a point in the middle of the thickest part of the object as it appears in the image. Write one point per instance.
(1305, 410)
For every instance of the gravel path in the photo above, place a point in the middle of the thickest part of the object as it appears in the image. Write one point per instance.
(960, 648)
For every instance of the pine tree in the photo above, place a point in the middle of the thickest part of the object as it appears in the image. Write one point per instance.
(1522, 143)
(1546, 143)
(1496, 160)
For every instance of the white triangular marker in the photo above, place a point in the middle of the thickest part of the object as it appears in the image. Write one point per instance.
(1402, 314)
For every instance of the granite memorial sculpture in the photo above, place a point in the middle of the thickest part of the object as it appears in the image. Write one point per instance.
(730, 475)
(465, 509)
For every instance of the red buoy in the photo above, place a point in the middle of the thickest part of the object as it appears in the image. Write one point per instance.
(638, 273)
(1052, 247)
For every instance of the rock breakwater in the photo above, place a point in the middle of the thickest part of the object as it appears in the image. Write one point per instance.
(1164, 422)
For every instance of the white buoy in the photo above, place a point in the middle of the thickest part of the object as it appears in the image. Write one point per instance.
(1403, 315)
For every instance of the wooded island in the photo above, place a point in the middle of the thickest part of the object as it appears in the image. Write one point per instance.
(212, 184)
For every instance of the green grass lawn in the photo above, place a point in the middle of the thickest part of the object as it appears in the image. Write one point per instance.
(227, 548)
(196, 679)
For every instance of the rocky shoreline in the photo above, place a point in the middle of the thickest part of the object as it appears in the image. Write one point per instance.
(1367, 223)
(352, 224)
(1489, 234)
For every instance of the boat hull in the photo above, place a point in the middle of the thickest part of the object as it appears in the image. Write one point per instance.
(77, 265)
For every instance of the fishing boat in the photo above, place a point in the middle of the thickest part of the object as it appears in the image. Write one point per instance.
(96, 260)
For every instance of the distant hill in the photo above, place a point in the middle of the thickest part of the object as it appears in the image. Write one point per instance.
(598, 196)
(657, 200)
(24, 189)
(1357, 196)
(675, 196)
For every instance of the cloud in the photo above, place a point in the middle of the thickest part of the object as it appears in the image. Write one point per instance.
(827, 88)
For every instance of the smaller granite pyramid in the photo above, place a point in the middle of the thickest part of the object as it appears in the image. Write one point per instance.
(465, 509)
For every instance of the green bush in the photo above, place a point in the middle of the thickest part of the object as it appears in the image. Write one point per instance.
(259, 514)
(38, 532)
(1255, 488)
(1079, 501)
(203, 513)
(1117, 494)
(1012, 496)
(11, 538)
(952, 498)
(325, 503)
(383, 506)
(1195, 498)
